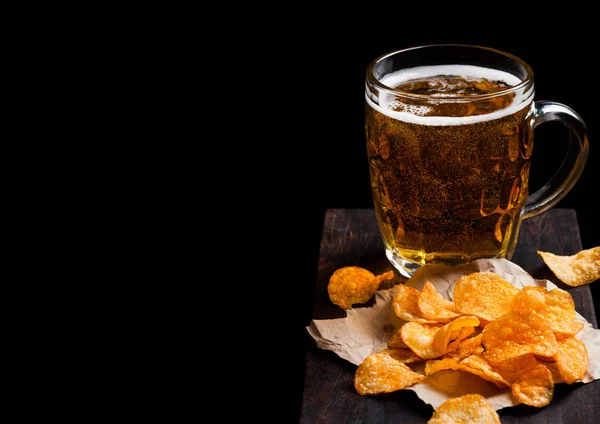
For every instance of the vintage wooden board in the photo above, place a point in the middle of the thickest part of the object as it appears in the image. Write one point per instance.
(351, 237)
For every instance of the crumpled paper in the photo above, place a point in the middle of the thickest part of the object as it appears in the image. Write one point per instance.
(367, 330)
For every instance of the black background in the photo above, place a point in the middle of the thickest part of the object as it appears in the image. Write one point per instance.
(326, 165)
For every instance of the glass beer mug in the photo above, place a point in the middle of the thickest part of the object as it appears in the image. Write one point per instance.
(449, 134)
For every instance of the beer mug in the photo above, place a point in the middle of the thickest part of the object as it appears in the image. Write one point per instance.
(449, 134)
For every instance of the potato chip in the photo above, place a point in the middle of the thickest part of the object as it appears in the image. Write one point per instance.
(351, 285)
(433, 305)
(444, 335)
(542, 309)
(483, 322)
(434, 365)
(467, 409)
(405, 355)
(553, 368)
(484, 294)
(474, 365)
(419, 338)
(534, 387)
(575, 270)
(406, 305)
(395, 342)
(466, 347)
(544, 358)
(384, 372)
(561, 311)
(463, 333)
(477, 362)
(512, 368)
(571, 359)
(510, 336)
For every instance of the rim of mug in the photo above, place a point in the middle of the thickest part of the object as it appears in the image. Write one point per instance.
(382, 87)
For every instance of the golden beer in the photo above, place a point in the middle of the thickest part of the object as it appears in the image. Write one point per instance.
(450, 188)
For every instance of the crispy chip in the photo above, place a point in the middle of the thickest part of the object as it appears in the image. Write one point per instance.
(405, 355)
(444, 336)
(484, 294)
(512, 368)
(542, 309)
(395, 342)
(351, 285)
(483, 322)
(571, 359)
(406, 305)
(510, 336)
(555, 372)
(534, 387)
(384, 372)
(575, 270)
(433, 305)
(419, 338)
(477, 362)
(467, 409)
(463, 333)
(465, 348)
(434, 365)
(561, 311)
(473, 364)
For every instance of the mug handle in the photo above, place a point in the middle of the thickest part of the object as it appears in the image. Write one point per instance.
(573, 164)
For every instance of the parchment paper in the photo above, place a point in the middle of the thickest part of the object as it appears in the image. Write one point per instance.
(367, 330)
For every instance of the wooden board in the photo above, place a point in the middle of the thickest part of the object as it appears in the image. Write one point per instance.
(351, 237)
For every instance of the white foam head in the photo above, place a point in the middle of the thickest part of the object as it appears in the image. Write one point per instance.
(414, 113)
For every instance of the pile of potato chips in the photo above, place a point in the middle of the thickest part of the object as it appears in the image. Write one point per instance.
(522, 340)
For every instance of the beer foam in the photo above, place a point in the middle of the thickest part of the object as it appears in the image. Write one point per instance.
(465, 71)
(414, 114)
(420, 110)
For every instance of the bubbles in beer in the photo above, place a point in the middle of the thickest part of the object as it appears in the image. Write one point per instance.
(384, 146)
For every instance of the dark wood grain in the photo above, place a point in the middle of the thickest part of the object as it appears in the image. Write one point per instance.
(351, 237)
